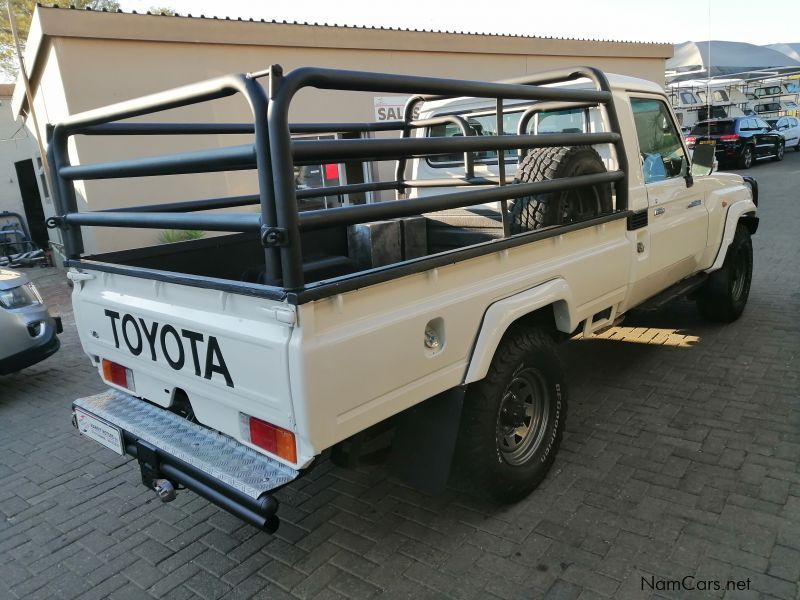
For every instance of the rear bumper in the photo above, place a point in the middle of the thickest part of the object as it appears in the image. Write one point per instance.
(214, 466)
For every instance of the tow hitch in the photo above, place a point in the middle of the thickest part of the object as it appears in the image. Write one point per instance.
(174, 454)
(147, 455)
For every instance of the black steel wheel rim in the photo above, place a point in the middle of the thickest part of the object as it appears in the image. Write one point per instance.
(523, 416)
(739, 281)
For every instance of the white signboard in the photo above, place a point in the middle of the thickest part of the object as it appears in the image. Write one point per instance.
(390, 108)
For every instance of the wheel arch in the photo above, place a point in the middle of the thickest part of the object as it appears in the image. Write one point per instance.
(548, 305)
(742, 211)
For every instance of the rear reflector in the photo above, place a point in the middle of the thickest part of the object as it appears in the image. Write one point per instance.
(274, 439)
(118, 375)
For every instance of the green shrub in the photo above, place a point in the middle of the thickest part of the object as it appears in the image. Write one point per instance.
(170, 236)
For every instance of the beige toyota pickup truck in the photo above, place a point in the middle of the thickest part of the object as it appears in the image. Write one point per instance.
(331, 316)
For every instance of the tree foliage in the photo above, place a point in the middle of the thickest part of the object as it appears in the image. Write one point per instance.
(23, 11)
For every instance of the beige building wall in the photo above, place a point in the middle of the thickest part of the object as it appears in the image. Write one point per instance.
(16, 144)
(81, 60)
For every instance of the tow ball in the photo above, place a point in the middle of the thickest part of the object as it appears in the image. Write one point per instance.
(164, 490)
(147, 457)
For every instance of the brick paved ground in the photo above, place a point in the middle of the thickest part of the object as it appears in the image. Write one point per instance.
(682, 457)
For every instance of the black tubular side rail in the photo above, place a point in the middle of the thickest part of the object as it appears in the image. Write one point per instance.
(274, 154)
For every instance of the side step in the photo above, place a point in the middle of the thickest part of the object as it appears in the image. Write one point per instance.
(215, 466)
(682, 288)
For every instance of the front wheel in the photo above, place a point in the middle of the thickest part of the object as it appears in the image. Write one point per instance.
(513, 419)
(723, 296)
(779, 152)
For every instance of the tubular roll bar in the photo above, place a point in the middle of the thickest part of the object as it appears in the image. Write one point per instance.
(274, 155)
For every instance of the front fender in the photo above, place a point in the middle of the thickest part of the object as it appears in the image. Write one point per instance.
(742, 210)
(500, 315)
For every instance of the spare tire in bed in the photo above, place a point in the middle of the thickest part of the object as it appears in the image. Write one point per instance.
(558, 208)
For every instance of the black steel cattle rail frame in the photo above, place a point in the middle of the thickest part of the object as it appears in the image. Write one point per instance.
(274, 154)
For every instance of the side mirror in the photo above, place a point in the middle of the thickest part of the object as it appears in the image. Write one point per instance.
(703, 160)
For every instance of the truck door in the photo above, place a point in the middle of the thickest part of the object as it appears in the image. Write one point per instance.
(677, 215)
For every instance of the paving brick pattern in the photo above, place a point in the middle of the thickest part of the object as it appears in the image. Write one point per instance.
(682, 457)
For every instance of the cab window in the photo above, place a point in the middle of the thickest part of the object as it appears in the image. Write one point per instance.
(660, 147)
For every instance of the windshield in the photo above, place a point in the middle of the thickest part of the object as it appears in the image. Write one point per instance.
(713, 128)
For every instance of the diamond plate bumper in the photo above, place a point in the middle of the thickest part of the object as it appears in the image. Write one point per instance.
(213, 465)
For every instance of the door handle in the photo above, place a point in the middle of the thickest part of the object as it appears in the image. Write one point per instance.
(694, 203)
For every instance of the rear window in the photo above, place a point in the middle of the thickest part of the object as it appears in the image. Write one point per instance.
(714, 128)
(560, 121)
(480, 125)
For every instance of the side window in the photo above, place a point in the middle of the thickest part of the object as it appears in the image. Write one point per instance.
(660, 146)
(762, 124)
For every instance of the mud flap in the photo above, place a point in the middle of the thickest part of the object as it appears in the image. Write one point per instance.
(425, 440)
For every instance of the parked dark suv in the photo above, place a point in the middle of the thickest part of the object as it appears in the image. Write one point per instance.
(739, 140)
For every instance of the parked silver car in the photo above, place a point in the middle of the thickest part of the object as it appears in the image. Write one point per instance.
(28, 333)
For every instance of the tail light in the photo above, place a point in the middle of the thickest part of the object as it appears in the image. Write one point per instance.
(691, 139)
(118, 375)
(730, 137)
(332, 171)
(272, 438)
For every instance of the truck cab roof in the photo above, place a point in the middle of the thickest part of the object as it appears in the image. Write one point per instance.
(616, 82)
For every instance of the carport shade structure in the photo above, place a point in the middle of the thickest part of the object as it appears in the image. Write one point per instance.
(725, 58)
(790, 50)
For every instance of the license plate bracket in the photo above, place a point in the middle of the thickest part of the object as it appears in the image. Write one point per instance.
(99, 430)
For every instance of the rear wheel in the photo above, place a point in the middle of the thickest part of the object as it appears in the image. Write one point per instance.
(780, 151)
(723, 296)
(557, 208)
(746, 158)
(513, 419)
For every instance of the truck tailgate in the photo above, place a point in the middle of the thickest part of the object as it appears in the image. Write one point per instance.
(226, 353)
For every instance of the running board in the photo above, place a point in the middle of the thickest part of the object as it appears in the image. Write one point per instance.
(172, 451)
(682, 288)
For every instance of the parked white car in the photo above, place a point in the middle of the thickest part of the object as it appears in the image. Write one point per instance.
(789, 128)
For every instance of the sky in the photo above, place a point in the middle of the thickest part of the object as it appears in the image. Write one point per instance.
(672, 21)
